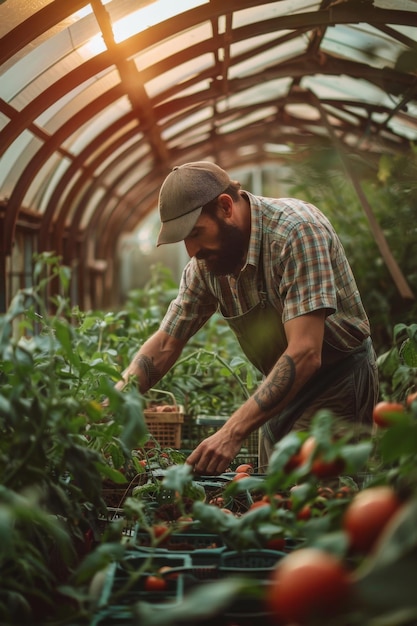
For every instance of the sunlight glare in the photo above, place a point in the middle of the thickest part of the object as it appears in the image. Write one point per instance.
(136, 22)
(150, 15)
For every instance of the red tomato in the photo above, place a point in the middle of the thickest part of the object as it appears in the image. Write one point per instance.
(325, 492)
(245, 467)
(165, 569)
(257, 504)
(304, 513)
(293, 463)
(307, 583)
(275, 543)
(240, 475)
(159, 530)
(367, 515)
(217, 501)
(384, 413)
(155, 583)
(277, 498)
(307, 449)
(319, 467)
(344, 492)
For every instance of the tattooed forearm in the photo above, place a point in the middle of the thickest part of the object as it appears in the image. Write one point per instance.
(149, 370)
(277, 385)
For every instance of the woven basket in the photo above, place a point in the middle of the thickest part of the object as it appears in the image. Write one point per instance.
(165, 424)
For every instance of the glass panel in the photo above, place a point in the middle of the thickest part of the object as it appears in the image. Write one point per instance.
(41, 65)
(125, 148)
(272, 90)
(15, 159)
(179, 74)
(363, 44)
(191, 120)
(245, 17)
(46, 178)
(184, 40)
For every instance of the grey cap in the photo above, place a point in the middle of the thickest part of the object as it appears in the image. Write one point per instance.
(183, 194)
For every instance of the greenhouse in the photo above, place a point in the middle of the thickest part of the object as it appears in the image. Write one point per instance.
(208, 316)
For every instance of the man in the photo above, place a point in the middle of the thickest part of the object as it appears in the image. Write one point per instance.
(277, 272)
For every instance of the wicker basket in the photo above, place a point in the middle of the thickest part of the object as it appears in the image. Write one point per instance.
(165, 424)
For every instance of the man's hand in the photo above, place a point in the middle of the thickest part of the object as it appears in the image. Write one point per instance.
(213, 455)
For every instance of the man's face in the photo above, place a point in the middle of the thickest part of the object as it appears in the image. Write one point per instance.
(221, 245)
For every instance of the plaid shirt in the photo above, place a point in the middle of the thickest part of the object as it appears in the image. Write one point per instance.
(297, 258)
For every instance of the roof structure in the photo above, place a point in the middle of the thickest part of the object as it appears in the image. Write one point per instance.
(100, 99)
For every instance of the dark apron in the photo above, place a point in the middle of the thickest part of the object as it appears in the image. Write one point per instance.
(261, 335)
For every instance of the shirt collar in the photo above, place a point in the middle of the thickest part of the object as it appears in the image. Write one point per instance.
(255, 239)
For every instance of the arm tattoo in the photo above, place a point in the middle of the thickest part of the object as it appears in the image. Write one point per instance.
(277, 385)
(147, 366)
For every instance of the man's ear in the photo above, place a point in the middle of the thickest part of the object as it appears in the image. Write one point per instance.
(225, 204)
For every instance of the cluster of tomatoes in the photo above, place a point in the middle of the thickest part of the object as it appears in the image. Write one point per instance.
(312, 582)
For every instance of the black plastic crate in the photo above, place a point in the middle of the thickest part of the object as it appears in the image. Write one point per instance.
(125, 582)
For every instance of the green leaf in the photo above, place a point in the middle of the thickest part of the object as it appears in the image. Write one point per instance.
(63, 334)
(178, 477)
(112, 474)
(97, 560)
(134, 428)
(283, 451)
(356, 456)
(398, 440)
(408, 352)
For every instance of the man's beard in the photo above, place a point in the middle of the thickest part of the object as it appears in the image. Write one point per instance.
(231, 251)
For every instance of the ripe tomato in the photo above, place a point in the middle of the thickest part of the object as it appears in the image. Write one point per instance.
(367, 515)
(245, 467)
(325, 492)
(275, 543)
(307, 583)
(159, 530)
(344, 492)
(307, 449)
(293, 463)
(165, 569)
(304, 513)
(217, 501)
(320, 467)
(155, 583)
(240, 475)
(277, 499)
(257, 504)
(384, 413)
